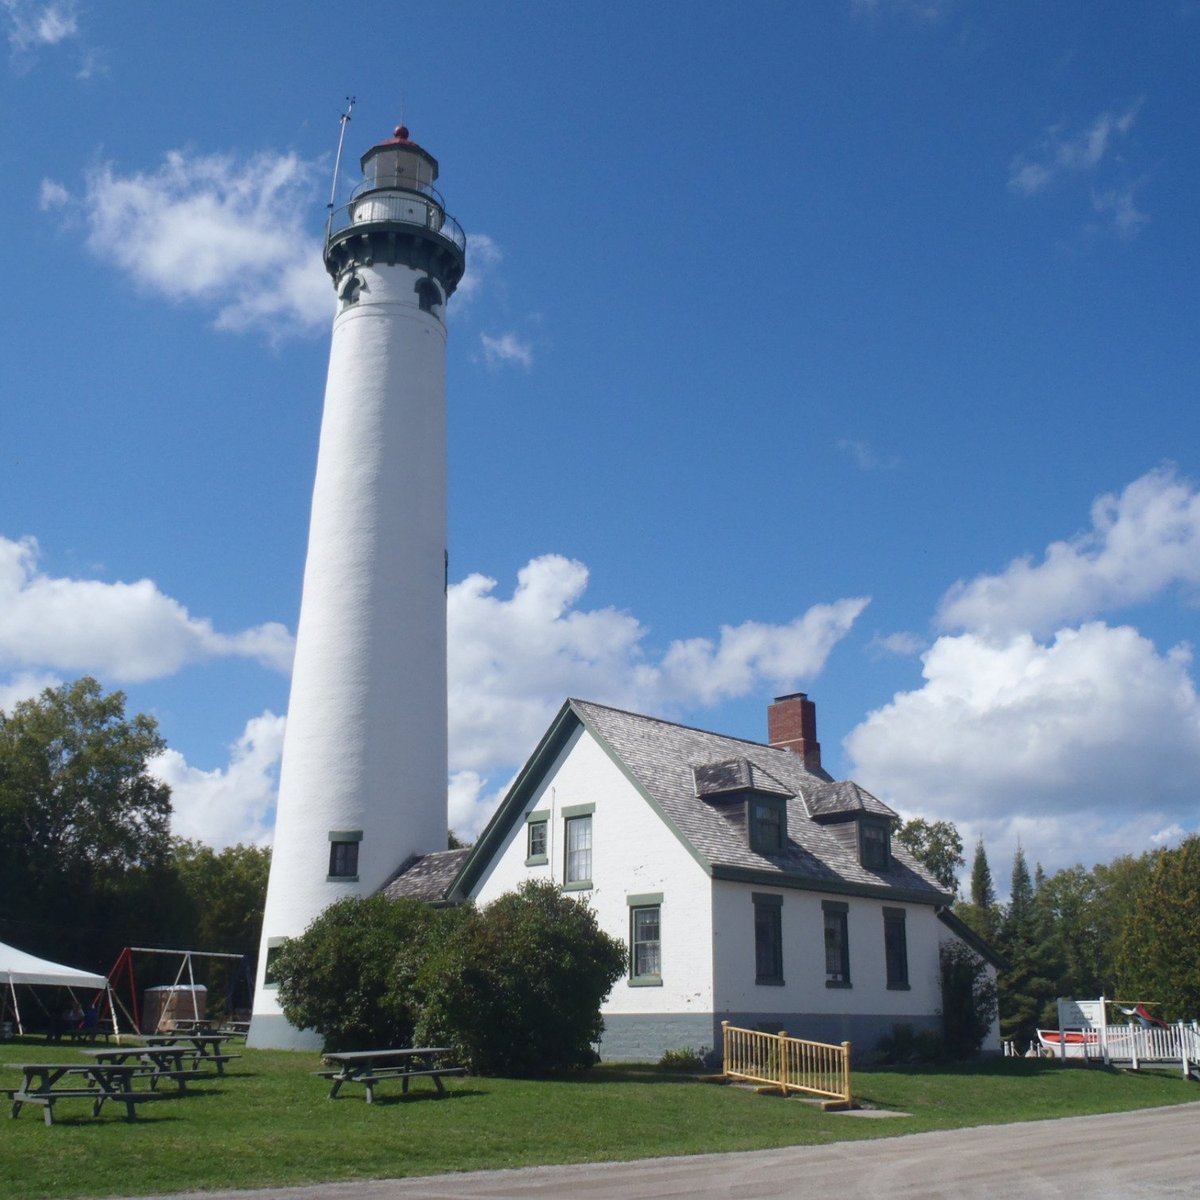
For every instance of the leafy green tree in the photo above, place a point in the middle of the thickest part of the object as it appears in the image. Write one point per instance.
(518, 988)
(937, 845)
(223, 893)
(83, 824)
(352, 975)
(1159, 956)
(1070, 900)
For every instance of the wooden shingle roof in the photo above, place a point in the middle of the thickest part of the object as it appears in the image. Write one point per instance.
(683, 773)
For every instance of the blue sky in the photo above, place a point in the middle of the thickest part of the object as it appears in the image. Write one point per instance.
(848, 347)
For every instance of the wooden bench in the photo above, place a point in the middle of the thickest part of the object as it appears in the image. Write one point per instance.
(208, 1047)
(219, 1060)
(49, 1099)
(47, 1083)
(370, 1067)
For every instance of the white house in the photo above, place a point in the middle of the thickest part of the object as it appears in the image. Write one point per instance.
(748, 885)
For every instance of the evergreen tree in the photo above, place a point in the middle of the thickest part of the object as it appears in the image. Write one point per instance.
(983, 891)
(1029, 988)
(980, 911)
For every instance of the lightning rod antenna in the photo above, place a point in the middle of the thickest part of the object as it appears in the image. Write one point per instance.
(337, 163)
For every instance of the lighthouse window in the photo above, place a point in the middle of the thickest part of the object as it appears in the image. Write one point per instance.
(348, 292)
(428, 296)
(343, 855)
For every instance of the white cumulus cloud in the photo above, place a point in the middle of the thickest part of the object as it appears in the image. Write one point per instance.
(1037, 722)
(1086, 746)
(117, 631)
(234, 803)
(230, 234)
(1141, 541)
(1095, 719)
(513, 660)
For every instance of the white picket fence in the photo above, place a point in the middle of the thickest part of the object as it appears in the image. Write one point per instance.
(1135, 1047)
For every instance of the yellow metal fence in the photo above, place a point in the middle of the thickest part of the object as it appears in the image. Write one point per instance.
(788, 1063)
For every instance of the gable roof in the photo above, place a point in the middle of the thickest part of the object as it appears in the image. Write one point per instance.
(425, 876)
(660, 759)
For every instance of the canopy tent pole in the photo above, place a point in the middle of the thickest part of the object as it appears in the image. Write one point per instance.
(16, 1008)
(112, 1008)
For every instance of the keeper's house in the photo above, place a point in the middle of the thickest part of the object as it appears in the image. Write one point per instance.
(748, 885)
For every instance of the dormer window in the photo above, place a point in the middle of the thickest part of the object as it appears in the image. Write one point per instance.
(766, 820)
(874, 844)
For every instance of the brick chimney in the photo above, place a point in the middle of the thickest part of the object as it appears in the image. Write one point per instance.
(792, 725)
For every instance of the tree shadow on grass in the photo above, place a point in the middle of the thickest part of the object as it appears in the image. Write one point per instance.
(624, 1073)
(991, 1068)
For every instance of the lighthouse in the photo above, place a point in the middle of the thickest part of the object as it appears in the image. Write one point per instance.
(363, 775)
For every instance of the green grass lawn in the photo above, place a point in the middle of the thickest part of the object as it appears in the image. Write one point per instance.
(269, 1122)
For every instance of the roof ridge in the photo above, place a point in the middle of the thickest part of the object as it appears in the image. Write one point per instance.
(725, 737)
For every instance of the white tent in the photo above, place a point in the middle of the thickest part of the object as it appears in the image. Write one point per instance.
(16, 966)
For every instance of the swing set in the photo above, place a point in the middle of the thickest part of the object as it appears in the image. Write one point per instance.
(122, 978)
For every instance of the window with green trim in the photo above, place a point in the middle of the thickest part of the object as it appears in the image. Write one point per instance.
(274, 946)
(768, 939)
(874, 845)
(343, 860)
(837, 943)
(535, 851)
(578, 863)
(766, 820)
(645, 943)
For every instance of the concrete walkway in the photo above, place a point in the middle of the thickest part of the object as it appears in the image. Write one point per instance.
(1118, 1156)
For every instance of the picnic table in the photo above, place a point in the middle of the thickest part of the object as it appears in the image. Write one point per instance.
(208, 1047)
(47, 1083)
(368, 1067)
(158, 1062)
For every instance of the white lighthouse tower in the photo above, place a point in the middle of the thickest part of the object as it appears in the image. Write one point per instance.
(363, 776)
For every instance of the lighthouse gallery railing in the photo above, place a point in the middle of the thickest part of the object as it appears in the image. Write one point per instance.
(422, 209)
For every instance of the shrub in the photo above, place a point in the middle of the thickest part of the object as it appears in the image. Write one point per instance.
(968, 1000)
(518, 986)
(905, 1046)
(352, 975)
(684, 1059)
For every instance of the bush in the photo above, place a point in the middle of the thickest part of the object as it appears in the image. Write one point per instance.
(353, 974)
(518, 986)
(968, 1000)
(905, 1046)
(684, 1059)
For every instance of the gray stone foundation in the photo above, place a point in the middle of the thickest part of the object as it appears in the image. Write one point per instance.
(646, 1037)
